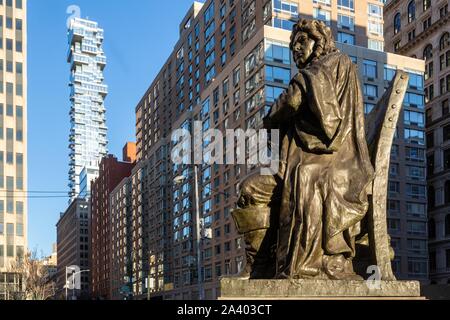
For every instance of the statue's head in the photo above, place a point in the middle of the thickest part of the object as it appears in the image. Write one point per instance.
(310, 39)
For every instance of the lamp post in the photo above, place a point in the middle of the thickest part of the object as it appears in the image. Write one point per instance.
(73, 281)
(198, 228)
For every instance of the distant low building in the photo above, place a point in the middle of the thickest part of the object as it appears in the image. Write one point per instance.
(73, 247)
(51, 264)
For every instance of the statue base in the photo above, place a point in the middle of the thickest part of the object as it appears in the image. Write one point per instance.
(310, 289)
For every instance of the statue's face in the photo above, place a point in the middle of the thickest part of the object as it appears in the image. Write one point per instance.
(302, 49)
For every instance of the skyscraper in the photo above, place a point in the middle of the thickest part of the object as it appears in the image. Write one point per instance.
(422, 29)
(87, 140)
(13, 142)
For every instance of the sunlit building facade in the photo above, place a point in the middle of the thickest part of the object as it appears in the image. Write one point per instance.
(13, 143)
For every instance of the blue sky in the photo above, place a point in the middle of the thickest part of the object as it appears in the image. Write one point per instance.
(139, 36)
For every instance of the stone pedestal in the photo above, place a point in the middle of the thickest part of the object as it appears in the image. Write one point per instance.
(237, 289)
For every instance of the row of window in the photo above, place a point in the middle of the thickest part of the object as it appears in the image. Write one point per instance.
(426, 4)
(9, 3)
(10, 24)
(11, 230)
(426, 23)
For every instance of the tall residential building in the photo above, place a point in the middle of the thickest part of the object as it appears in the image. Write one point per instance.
(231, 62)
(422, 29)
(73, 248)
(13, 141)
(87, 140)
(111, 173)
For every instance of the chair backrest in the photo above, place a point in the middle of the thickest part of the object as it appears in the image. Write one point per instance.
(381, 124)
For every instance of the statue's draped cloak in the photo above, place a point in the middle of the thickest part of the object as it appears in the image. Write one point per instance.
(325, 166)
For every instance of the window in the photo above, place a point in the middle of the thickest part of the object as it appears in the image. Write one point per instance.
(283, 24)
(236, 76)
(397, 23)
(375, 11)
(280, 6)
(416, 209)
(376, 45)
(447, 159)
(414, 100)
(375, 28)
(426, 23)
(415, 81)
(415, 136)
(429, 93)
(430, 139)
(370, 68)
(346, 4)
(416, 228)
(426, 4)
(447, 225)
(323, 15)
(444, 41)
(209, 14)
(415, 190)
(444, 107)
(431, 197)
(9, 23)
(273, 93)
(414, 118)
(411, 11)
(344, 37)
(19, 24)
(394, 186)
(277, 74)
(346, 22)
(431, 229)
(370, 91)
(9, 44)
(277, 52)
(430, 165)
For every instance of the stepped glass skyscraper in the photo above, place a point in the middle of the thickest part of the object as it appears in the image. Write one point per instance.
(13, 143)
(87, 140)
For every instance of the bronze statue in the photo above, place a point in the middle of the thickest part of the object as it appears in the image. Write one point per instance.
(315, 217)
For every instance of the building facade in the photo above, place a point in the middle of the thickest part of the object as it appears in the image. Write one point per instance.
(13, 141)
(421, 29)
(231, 62)
(73, 248)
(111, 173)
(87, 139)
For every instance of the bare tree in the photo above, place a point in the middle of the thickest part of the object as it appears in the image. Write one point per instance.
(31, 279)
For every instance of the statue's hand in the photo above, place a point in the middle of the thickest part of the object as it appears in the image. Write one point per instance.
(284, 107)
(293, 96)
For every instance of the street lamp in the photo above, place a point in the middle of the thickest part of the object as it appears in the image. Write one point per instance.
(73, 281)
(198, 226)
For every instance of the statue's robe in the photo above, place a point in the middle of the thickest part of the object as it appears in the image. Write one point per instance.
(325, 165)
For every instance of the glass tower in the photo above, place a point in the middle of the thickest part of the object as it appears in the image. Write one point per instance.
(87, 139)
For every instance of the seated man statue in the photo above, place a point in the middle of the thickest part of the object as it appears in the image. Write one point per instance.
(303, 221)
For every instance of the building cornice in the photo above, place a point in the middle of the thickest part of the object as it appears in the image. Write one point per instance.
(390, 5)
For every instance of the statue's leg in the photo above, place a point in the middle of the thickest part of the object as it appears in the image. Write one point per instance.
(253, 220)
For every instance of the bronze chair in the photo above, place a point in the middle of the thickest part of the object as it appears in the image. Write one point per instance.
(373, 245)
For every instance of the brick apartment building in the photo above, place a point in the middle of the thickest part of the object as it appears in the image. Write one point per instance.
(111, 173)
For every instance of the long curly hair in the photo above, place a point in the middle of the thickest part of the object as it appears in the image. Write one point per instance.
(319, 32)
